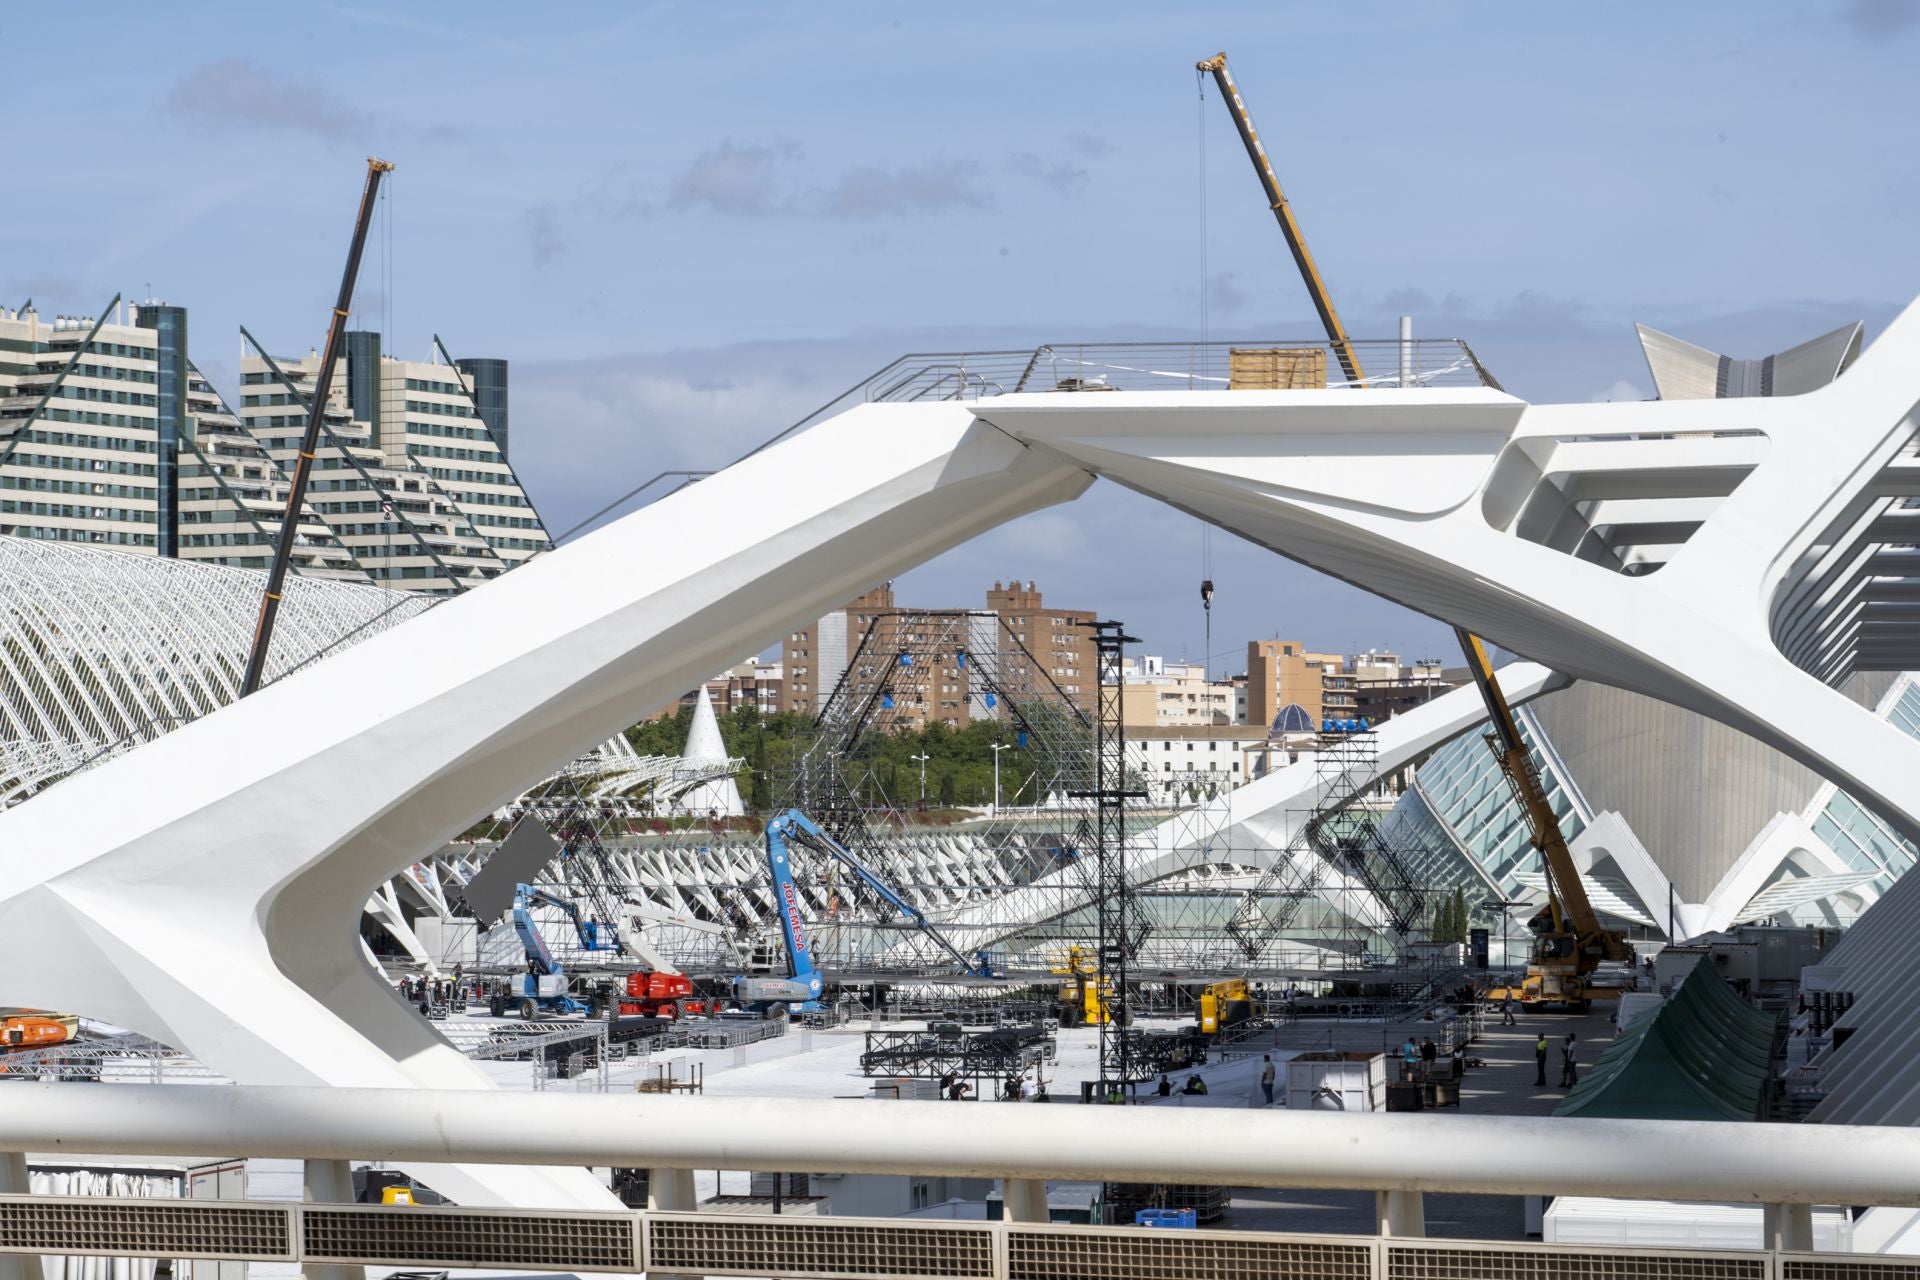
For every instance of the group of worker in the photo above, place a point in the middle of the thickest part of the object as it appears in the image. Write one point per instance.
(1569, 1060)
(1016, 1089)
(1418, 1057)
(452, 992)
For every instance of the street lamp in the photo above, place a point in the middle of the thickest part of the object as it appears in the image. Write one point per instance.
(923, 757)
(998, 747)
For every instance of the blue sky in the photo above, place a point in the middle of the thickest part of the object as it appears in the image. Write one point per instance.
(688, 224)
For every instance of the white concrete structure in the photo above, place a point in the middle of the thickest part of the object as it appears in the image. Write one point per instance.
(1537, 527)
(719, 797)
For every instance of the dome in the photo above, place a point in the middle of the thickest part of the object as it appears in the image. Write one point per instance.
(1293, 718)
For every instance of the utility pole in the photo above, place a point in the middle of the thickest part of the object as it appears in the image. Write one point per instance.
(997, 748)
(303, 463)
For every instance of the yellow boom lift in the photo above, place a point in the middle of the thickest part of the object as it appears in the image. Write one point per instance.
(1569, 943)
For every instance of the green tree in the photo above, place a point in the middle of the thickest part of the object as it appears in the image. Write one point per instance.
(949, 789)
(761, 789)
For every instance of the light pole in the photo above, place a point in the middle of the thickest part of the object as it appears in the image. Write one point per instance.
(923, 757)
(998, 747)
(1503, 906)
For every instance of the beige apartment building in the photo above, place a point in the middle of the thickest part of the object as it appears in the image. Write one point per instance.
(1283, 672)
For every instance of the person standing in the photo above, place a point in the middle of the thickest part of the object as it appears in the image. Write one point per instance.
(1266, 1076)
(1506, 1010)
(1429, 1054)
(1569, 1064)
(1540, 1061)
(1409, 1058)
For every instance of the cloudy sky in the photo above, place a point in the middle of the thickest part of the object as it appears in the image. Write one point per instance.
(687, 225)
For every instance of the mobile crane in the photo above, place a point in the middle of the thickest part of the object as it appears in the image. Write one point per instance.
(1568, 941)
(1569, 944)
(799, 991)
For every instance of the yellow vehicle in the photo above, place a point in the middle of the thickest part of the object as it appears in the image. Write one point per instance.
(396, 1195)
(1224, 1003)
(1085, 998)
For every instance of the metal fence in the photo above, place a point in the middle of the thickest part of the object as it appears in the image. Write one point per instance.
(812, 1248)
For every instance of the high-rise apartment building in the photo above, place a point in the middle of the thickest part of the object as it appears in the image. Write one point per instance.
(1058, 642)
(813, 659)
(1034, 644)
(110, 436)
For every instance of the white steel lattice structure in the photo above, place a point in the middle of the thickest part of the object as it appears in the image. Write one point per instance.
(1465, 503)
(101, 651)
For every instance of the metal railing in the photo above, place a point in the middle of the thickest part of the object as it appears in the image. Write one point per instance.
(833, 1248)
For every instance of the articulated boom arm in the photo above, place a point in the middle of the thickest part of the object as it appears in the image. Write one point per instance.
(796, 827)
(1567, 900)
(588, 932)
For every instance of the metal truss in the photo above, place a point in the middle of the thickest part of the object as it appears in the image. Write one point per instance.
(102, 651)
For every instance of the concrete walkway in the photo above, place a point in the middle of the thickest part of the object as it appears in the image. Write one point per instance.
(1503, 1086)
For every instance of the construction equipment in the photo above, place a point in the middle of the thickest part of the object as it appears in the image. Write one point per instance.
(656, 995)
(1568, 942)
(35, 1028)
(316, 412)
(1086, 999)
(1224, 1004)
(543, 987)
(1216, 66)
(800, 990)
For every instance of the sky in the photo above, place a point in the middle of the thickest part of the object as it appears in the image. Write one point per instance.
(688, 225)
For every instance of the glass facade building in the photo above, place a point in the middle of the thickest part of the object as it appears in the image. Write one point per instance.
(489, 379)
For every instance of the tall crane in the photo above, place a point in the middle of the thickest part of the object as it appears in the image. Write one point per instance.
(1216, 66)
(1569, 942)
(310, 441)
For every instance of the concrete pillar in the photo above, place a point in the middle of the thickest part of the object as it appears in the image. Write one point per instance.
(329, 1182)
(13, 1182)
(1024, 1199)
(1400, 1213)
(671, 1191)
(1788, 1227)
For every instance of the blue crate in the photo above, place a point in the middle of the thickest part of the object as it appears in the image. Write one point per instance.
(1185, 1219)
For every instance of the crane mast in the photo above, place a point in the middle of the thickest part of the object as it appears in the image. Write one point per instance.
(1573, 943)
(310, 441)
(1216, 66)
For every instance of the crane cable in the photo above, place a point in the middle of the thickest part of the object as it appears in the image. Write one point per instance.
(1206, 530)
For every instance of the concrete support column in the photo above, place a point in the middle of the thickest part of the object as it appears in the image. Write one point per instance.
(1400, 1213)
(1788, 1227)
(329, 1182)
(13, 1182)
(671, 1191)
(1024, 1199)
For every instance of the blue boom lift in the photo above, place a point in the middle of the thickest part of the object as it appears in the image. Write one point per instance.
(543, 987)
(800, 990)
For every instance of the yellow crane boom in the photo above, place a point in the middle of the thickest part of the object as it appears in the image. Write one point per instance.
(1216, 66)
(1575, 938)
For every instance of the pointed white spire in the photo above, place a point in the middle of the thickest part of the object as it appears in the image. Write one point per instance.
(706, 747)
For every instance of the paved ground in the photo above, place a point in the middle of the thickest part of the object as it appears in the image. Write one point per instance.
(1502, 1086)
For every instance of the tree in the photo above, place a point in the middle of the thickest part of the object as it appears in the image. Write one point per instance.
(761, 788)
(949, 790)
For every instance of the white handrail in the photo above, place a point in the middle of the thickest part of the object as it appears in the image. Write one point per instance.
(1492, 1155)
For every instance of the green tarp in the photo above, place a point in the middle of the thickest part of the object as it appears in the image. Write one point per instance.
(1704, 1054)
